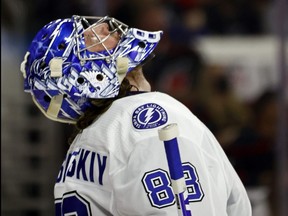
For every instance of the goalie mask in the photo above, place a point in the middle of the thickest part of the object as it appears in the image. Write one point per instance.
(72, 60)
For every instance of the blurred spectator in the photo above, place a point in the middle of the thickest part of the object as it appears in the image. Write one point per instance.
(253, 153)
(178, 65)
(123, 10)
(224, 17)
(234, 17)
(209, 17)
(218, 106)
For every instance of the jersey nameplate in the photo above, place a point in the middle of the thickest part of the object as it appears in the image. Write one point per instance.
(83, 165)
(149, 116)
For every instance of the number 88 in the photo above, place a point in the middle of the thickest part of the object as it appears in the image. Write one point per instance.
(160, 193)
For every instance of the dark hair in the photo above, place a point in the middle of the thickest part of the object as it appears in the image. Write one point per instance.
(99, 106)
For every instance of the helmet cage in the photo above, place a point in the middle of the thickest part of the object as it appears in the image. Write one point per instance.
(114, 26)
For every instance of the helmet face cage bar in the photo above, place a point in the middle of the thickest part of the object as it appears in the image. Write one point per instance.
(92, 22)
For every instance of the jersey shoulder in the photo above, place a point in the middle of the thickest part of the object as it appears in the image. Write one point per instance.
(147, 111)
(158, 98)
(138, 117)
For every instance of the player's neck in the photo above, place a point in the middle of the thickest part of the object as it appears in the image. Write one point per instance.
(138, 80)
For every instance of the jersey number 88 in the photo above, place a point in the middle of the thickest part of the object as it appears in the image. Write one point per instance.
(159, 190)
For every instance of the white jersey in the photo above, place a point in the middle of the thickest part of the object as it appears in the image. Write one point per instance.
(117, 166)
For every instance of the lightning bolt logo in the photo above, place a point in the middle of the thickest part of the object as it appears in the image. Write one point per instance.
(149, 115)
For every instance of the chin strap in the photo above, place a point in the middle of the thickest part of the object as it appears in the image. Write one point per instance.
(53, 109)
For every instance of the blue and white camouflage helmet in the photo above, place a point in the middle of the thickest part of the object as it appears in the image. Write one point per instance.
(70, 62)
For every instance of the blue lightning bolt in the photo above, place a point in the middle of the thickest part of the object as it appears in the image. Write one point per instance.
(54, 36)
(127, 46)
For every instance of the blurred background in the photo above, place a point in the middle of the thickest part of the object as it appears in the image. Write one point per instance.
(225, 59)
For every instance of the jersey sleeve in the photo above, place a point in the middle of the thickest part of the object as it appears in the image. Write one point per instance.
(142, 186)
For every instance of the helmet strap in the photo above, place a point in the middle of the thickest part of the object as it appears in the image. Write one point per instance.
(55, 65)
(55, 106)
(122, 67)
(53, 109)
